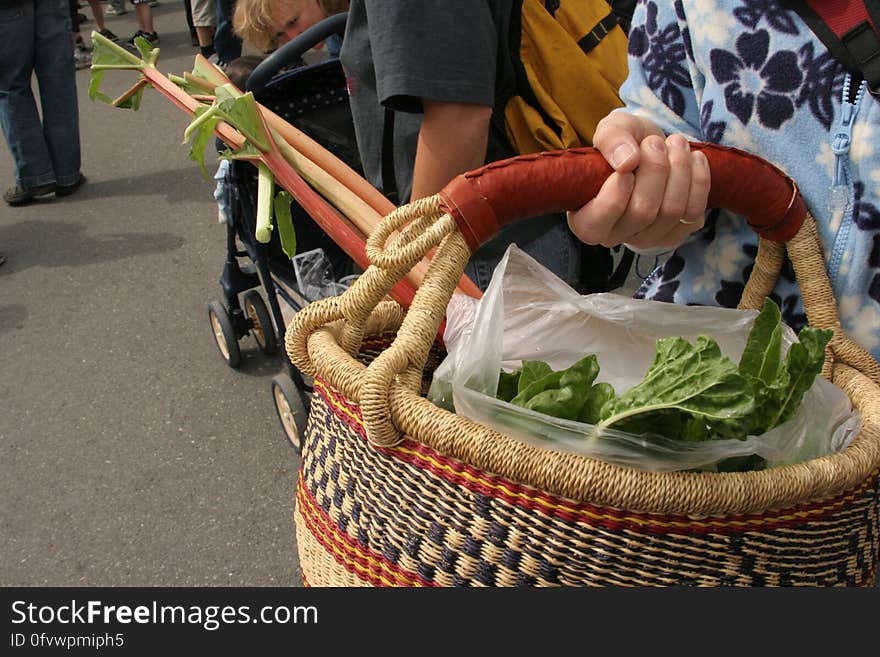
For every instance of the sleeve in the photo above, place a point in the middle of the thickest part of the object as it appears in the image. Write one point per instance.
(432, 49)
(663, 81)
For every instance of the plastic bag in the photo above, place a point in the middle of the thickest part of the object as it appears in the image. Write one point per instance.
(315, 277)
(528, 313)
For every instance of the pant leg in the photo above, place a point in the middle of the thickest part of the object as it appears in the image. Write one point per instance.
(19, 116)
(56, 74)
(187, 5)
(226, 43)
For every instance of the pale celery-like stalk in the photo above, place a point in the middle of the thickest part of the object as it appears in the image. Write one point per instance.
(265, 186)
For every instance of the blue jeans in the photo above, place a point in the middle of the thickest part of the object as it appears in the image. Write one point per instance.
(547, 239)
(37, 39)
(226, 43)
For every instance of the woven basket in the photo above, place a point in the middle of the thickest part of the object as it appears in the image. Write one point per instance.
(394, 491)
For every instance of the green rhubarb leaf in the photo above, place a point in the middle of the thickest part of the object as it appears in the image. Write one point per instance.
(201, 130)
(186, 85)
(145, 48)
(694, 378)
(284, 222)
(204, 69)
(243, 113)
(95, 92)
(107, 54)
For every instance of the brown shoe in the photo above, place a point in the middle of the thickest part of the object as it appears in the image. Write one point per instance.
(67, 190)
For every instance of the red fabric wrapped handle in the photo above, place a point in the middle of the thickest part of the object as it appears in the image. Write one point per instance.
(485, 200)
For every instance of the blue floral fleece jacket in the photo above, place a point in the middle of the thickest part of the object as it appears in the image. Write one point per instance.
(751, 74)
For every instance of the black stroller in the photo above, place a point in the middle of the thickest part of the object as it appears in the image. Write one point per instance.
(314, 99)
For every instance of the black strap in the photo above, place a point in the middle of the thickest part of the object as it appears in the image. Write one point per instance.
(857, 49)
(389, 180)
(603, 27)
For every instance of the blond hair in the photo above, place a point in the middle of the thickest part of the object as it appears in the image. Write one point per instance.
(252, 19)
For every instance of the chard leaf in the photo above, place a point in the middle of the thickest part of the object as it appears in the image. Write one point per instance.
(508, 384)
(692, 378)
(762, 356)
(802, 363)
(531, 371)
(560, 394)
(284, 223)
(597, 397)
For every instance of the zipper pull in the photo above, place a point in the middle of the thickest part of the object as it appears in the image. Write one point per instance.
(842, 139)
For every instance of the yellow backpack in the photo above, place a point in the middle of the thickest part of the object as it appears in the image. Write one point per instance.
(569, 60)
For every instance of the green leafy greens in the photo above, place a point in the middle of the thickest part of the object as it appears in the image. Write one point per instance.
(691, 392)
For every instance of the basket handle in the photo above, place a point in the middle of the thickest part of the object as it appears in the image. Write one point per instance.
(485, 200)
(474, 206)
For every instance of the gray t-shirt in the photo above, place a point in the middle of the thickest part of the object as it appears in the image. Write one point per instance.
(396, 53)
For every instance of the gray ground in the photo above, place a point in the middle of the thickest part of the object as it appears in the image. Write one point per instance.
(131, 454)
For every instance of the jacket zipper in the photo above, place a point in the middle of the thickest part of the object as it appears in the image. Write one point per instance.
(841, 142)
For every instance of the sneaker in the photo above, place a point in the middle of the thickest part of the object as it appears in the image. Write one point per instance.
(82, 58)
(67, 190)
(152, 37)
(19, 195)
(80, 43)
(114, 11)
(107, 34)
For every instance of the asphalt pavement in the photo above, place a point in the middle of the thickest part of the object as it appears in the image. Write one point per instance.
(131, 454)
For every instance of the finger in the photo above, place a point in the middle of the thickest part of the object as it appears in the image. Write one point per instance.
(693, 217)
(593, 222)
(675, 195)
(617, 137)
(648, 190)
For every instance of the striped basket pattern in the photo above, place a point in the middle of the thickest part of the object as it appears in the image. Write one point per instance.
(408, 516)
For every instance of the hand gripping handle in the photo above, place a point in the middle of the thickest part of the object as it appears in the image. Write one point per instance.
(485, 200)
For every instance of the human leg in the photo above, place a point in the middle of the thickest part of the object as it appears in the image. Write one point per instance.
(58, 100)
(19, 116)
(116, 8)
(98, 12)
(193, 36)
(145, 23)
(144, 16)
(204, 21)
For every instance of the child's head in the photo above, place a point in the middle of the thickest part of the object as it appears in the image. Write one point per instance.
(267, 24)
(239, 70)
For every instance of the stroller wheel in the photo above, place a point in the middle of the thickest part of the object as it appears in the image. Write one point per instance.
(224, 333)
(291, 409)
(261, 324)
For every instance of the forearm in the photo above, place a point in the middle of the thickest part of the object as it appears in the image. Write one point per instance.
(452, 140)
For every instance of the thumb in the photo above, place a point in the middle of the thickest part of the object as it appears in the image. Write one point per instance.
(618, 136)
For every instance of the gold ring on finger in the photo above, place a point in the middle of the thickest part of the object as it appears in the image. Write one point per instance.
(686, 223)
